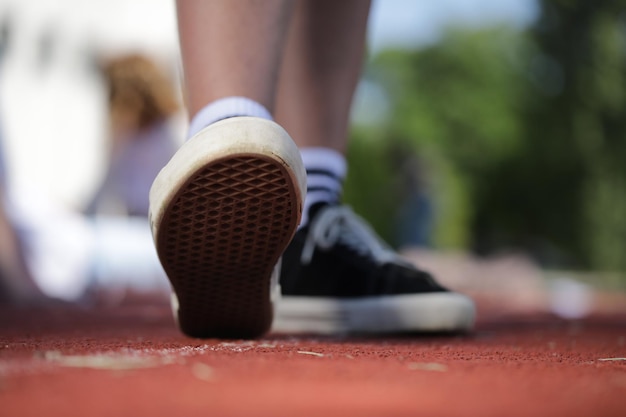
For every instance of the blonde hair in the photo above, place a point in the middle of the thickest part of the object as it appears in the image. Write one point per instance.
(138, 90)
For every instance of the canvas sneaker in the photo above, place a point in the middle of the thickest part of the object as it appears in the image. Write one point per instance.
(222, 212)
(339, 277)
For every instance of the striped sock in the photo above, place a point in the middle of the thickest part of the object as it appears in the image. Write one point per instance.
(223, 109)
(326, 170)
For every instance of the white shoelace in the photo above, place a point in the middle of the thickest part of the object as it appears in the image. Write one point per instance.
(336, 224)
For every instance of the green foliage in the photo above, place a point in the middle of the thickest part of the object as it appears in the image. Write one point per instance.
(456, 106)
(587, 43)
(519, 138)
(368, 185)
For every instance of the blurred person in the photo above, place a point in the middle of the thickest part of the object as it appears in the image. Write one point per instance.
(141, 102)
(415, 217)
(50, 251)
(248, 224)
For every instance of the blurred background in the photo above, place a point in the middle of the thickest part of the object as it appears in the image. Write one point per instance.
(503, 134)
(481, 129)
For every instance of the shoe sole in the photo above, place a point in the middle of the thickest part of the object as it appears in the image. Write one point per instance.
(225, 208)
(414, 313)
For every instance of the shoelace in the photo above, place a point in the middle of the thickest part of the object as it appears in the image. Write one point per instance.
(339, 224)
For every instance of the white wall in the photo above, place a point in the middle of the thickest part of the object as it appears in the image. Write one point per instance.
(53, 109)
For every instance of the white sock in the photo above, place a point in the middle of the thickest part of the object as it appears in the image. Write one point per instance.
(326, 170)
(223, 109)
(325, 167)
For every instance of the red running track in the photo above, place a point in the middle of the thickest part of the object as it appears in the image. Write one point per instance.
(132, 361)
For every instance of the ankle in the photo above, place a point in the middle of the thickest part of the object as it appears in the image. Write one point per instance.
(326, 170)
(225, 108)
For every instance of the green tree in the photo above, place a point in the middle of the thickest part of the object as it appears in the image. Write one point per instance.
(456, 105)
(580, 117)
(523, 136)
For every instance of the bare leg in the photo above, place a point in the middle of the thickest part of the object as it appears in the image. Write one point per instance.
(235, 48)
(232, 48)
(226, 206)
(320, 69)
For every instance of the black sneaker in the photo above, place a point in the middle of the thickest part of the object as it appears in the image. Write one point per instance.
(339, 277)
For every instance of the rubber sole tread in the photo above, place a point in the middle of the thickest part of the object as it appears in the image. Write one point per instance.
(219, 241)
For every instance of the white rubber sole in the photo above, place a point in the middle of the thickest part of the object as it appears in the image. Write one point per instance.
(222, 211)
(433, 312)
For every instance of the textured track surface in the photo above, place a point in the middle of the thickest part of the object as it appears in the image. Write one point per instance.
(133, 361)
(219, 241)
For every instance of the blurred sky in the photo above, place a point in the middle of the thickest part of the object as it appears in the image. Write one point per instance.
(53, 109)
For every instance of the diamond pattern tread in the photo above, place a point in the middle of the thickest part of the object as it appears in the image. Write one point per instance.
(219, 240)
